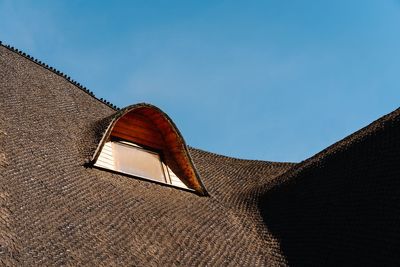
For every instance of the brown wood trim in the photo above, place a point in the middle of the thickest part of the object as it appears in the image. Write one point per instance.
(140, 140)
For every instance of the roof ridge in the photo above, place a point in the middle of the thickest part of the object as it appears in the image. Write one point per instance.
(358, 136)
(59, 73)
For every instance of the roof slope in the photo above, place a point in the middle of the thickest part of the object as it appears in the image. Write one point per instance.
(54, 211)
(342, 206)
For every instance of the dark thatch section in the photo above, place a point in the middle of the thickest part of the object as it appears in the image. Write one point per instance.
(338, 207)
(342, 206)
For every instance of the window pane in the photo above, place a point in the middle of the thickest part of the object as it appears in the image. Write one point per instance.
(137, 161)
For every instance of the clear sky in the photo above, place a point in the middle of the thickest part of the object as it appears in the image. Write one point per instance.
(271, 80)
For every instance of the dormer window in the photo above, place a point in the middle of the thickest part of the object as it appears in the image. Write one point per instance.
(141, 141)
(133, 160)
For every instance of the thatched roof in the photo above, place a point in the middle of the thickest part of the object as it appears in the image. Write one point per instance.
(55, 210)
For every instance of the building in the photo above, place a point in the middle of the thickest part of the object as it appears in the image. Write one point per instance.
(66, 200)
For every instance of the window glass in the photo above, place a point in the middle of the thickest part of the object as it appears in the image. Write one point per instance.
(138, 162)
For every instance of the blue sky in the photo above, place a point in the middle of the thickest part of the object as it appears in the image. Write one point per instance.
(271, 80)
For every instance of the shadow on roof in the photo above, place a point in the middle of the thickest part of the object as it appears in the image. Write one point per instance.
(344, 210)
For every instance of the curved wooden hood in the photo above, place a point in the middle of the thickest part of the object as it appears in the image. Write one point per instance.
(148, 126)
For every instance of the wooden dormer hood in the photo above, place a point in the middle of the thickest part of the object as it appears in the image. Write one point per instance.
(148, 126)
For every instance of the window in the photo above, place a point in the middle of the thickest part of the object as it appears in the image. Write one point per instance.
(137, 161)
(132, 159)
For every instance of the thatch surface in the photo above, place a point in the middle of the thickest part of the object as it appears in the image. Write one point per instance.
(54, 211)
(340, 207)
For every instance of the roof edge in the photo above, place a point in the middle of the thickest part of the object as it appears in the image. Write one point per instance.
(339, 146)
(59, 73)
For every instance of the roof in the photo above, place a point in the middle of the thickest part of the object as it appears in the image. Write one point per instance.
(54, 210)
